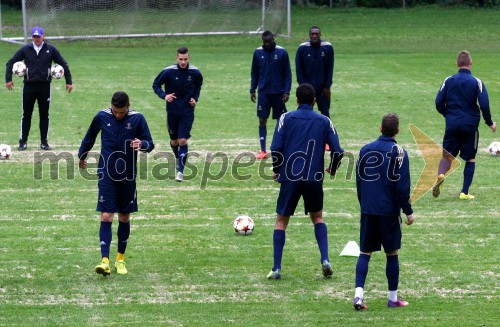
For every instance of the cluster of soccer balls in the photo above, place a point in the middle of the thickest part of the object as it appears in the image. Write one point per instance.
(494, 149)
(243, 225)
(19, 69)
(5, 151)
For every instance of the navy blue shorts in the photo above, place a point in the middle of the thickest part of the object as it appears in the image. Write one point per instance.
(380, 230)
(179, 125)
(116, 196)
(290, 193)
(267, 101)
(463, 142)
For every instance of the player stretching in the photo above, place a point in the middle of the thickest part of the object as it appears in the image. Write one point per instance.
(182, 90)
(457, 101)
(123, 133)
(383, 186)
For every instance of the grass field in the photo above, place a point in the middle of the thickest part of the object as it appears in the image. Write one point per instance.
(186, 265)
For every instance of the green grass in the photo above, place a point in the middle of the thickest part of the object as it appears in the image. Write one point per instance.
(186, 265)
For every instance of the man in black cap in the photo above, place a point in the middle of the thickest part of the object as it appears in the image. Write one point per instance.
(38, 57)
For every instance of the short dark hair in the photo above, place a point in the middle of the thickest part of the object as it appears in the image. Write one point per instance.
(267, 34)
(305, 94)
(120, 99)
(182, 50)
(390, 124)
(314, 28)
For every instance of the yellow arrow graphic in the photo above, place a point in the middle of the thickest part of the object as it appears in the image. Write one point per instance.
(432, 153)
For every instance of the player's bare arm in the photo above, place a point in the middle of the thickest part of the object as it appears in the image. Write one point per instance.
(9, 85)
(192, 102)
(494, 127)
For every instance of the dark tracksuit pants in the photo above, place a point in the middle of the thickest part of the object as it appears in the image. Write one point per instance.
(35, 92)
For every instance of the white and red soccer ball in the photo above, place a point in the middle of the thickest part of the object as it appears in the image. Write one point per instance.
(19, 69)
(56, 71)
(5, 151)
(243, 225)
(494, 149)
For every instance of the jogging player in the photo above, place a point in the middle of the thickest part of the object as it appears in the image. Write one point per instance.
(457, 100)
(182, 89)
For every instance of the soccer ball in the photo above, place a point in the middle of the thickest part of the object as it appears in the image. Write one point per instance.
(494, 149)
(5, 151)
(243, 225)
(56, 71)
(19, 69)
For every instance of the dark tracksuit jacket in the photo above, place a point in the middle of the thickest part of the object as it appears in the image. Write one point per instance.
(383, 178)
(117, 159)
(37, 83)
(314, 65)
(271, 72)
(457, 100)
(298, 145)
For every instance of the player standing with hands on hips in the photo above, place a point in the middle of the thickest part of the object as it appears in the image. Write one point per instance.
(457, 100)
(182, 89)
(124, 132)
(383, 187)
(38, 57)
(298, 151)
(272, 76)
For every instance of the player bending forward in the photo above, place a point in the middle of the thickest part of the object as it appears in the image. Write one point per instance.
(123, 133)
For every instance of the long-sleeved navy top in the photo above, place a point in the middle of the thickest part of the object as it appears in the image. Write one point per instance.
(298, 146)
(271, 73)
(117, 159)
(457, 100)
(383, 178)
(314, 64)
(185, 83)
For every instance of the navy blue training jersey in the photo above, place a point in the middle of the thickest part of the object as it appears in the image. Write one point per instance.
(314, 64)
(383, 178)
(299, 144)
(185, 83)
(117, 159)
(457, 100)
(271, 73)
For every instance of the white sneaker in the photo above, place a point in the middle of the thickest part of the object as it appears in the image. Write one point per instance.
(179, 177)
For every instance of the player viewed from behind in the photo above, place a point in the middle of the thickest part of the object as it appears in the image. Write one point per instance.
(314, 63)
(123, 133)
(272, 76)
(298, 149)
(457, 100)
(182, 89)
(38, 57)
(383, 186)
